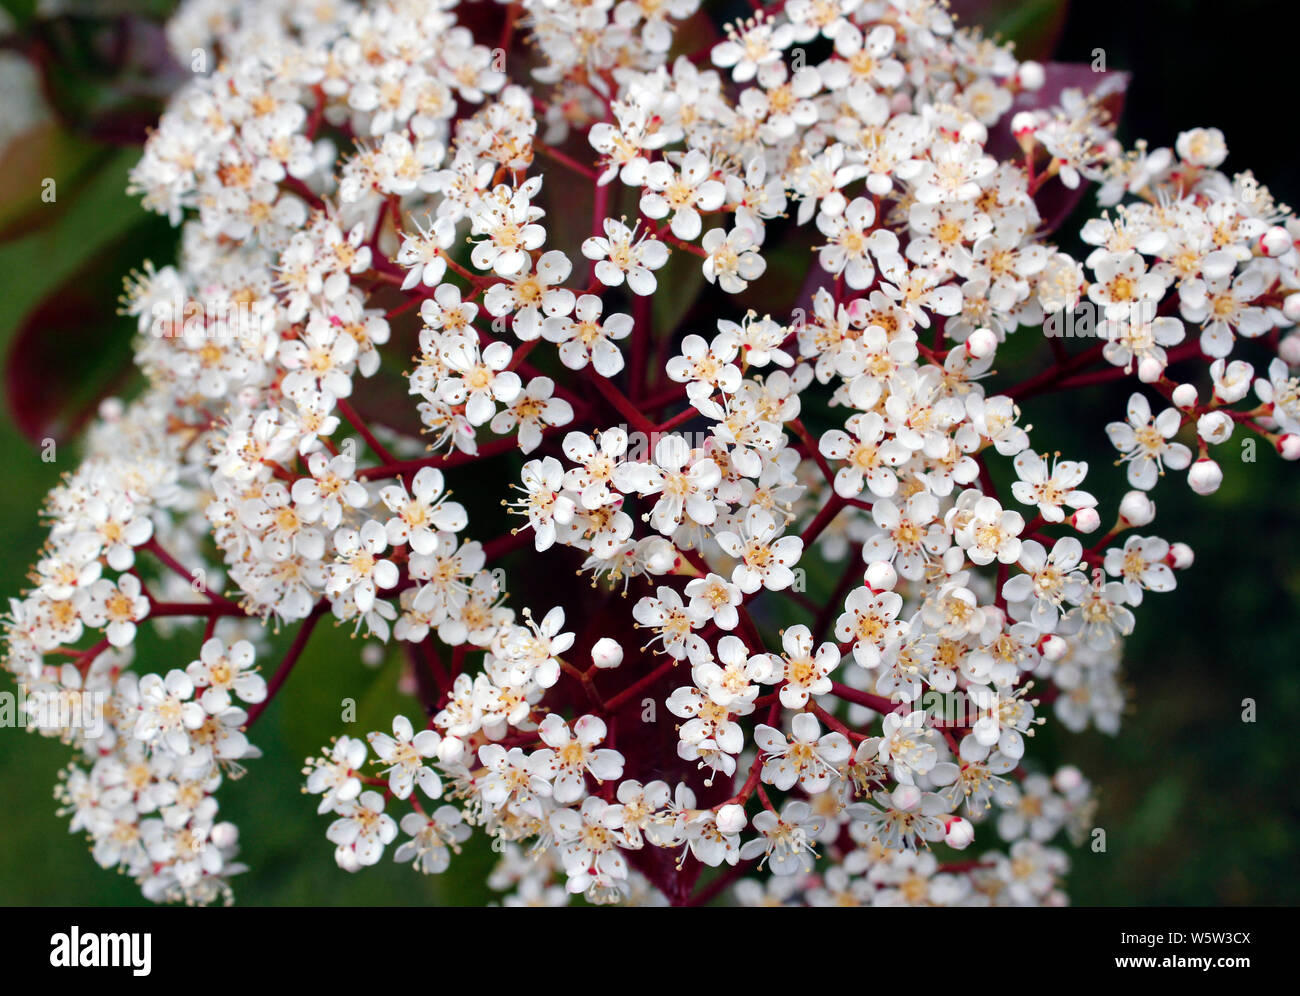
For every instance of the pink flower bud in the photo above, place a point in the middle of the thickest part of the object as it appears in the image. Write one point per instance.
(1053, 648)
(958, 833)
(1085, 520)
(1291, 308)
(1068, 779)
(1289, 446)
(1275, 241)
(1180, 556)
(1289, 348)
(1024, 124)
(981, 344)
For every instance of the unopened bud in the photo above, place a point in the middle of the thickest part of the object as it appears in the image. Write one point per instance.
(958, 833)
(879, 184)
(1275, 241)
(1031, 75)
(1085, 520)
(1180, 556)
(1184, 395)
(1024, 124)
(450, 749)
(732, 818)
(225, 835)
(606, 653)
(661, 559)
(1136, 508)
(1205, 476)
(974, 131)
(1289, 446)
(1053, 648)
(1291, 307)
(1150, 370)
(906, 797)
(1289, 348)
(1068, 779)
(881, 576)
(981, 344)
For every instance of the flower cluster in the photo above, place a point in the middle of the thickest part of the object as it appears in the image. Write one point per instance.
(397, 183)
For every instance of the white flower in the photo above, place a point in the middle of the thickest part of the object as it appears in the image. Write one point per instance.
(361, 832)
(1050, 486)
(788, 841)
(167, 711)
(620, 255)
(434, 838)
(767, 559)
(733, 259)
(403, 755)
(569, 756)
(585, 338)
(422, 514)
(358, 570)
(533, 409)
(1144, 442)
(545, 505)
(805, 670)
(115, 607)
(682, 192)
(477, 380)
(809, 759)
(219, 672)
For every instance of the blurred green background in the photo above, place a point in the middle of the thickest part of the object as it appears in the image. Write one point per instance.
(1199, 807)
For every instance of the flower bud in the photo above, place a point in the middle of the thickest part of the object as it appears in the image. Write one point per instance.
(450, 750)
(958, 833)
(1024, 124)
(1205, 476)
(1150, 370)
(1275, 241)
(1085, 520)
(906, 797)
(731, 818)
(879, 184)
(1289, 348)
(225, 835)
(1031, 75)
(1184, 395)
(881, 576)
(1053, 648)
(974, 131)
(606, 653)
(662, 558)
(1289, 446)
(1180, 556)
(1068, 779)
(953, 558)
(1291, 307)
(1137, 509)
(1214, 427)
(981, 344)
